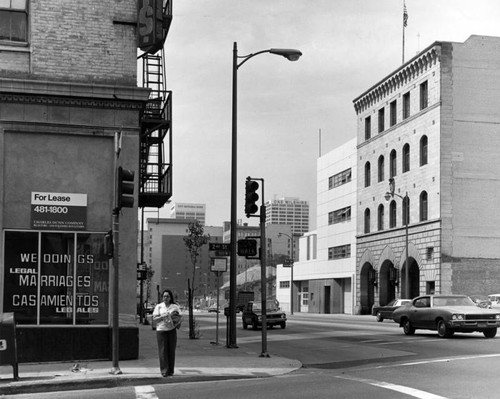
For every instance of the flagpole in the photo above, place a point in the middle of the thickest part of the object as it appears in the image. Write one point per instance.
(405, 21)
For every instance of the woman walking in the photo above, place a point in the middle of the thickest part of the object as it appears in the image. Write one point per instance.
(166, 315)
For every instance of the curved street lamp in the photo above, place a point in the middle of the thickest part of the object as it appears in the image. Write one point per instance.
(406, 212)
(291, 55)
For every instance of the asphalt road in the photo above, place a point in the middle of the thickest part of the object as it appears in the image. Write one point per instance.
(343, 358)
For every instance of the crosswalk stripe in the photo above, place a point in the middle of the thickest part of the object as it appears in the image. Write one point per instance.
(145, 392)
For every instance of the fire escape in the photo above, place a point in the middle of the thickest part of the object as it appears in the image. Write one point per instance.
(155, 158)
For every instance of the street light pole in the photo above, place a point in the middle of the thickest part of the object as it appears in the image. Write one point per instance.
(406, 214)
(291, 55)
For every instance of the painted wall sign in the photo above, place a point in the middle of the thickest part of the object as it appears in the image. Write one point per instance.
(56, 278)
(58, 211)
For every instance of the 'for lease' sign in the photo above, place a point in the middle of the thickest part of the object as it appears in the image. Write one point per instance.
(58, 211)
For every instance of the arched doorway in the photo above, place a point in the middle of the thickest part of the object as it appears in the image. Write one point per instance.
(367, 288)
(388, 280)
(414, 279)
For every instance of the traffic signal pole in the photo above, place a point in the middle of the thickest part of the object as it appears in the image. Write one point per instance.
(263, 272)
(116, 280)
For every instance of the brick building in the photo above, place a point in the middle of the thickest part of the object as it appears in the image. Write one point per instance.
(68, 92)
(432, 126)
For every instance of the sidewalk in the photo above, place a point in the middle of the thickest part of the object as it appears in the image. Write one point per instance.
(196, 360)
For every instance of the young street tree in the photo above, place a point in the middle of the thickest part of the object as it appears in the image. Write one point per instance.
(194, 240)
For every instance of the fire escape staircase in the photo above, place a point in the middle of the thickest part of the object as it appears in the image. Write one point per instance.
(155, 159)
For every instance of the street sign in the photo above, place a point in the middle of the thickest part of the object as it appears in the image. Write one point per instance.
(247, 247)
(288, 263)
(218, 264)
(219, 246)
(222, 253)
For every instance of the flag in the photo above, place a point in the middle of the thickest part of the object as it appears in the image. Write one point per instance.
(405, 16)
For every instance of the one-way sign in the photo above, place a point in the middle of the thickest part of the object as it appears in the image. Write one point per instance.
(219, 246)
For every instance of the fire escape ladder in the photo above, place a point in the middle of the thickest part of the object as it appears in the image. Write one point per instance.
(155, 164)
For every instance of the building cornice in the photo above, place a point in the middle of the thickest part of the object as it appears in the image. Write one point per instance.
(407, 72)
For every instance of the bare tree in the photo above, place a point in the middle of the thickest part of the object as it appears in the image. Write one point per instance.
(194, 241)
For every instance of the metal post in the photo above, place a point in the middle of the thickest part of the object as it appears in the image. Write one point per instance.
(263, 277)
(291, 279)
(231, 342)
(407, 269)
(116, 281)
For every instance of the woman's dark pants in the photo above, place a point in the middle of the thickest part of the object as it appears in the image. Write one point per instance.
(167, 341)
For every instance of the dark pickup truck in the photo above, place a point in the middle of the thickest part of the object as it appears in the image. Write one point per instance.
(252, 315)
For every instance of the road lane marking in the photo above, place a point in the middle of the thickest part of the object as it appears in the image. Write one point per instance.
(145, 392)
(416, 393)
(449, 359)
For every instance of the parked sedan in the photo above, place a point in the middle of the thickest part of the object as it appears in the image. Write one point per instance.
(385, 312)
(446, 314)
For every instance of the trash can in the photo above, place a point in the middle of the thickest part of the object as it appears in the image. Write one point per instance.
(8, 343)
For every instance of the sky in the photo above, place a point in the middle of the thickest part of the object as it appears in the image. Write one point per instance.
(288, 112)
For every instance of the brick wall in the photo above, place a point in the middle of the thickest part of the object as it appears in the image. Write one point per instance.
(84, 41)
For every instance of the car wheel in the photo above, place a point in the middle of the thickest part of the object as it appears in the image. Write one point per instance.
(490, 332)
(408, 328)
(443, 330)
(283, 325)
(245, 325)
(379, 317)
(255, 325)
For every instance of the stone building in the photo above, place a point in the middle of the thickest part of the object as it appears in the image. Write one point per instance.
(70, 114)
(432, 127)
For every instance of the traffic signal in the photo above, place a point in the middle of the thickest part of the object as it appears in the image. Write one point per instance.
(125, 191)
(251, 197)
(247, 247)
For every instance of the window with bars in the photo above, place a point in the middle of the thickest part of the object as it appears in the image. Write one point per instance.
(14, 21)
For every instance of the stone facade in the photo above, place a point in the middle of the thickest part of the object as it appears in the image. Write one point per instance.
(453, 235)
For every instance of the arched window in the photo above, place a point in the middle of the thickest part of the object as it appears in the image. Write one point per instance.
(406, 211)
(406, 158)
(392, 214)
(381, 165)
(380, 218)
(423, 150)
(367, 220)
(368, 170)
(423, 206)
(393, 164)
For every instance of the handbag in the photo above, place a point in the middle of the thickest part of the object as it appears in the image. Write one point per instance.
(176, 319)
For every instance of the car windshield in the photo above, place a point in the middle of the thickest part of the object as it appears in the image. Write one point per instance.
(453, 301)
(257, 306)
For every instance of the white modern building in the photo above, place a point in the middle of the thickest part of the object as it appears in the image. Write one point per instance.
(288, 210)
(183, 210)
(324, 276)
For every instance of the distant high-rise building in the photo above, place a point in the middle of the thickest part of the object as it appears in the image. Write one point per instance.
(182, 210)
(290, 211)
